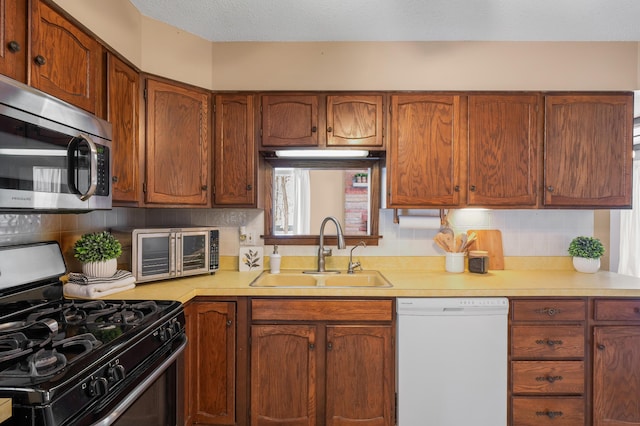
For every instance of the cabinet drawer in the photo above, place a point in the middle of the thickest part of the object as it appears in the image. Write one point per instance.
(550, 377)
(321, 310)
(547, 411)
(547, 342)
(617, 310)
(549, 310)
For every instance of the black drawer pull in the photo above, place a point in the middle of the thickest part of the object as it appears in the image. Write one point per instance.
(550, 414)
(548, 311)
(550, 379)
(549, 342)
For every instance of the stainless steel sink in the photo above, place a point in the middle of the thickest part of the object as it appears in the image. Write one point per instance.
(299, 279)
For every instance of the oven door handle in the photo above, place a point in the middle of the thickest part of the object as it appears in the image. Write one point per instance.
(142, 387)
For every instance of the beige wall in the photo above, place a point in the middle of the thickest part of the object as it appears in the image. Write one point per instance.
(425, 66)
(164, 50)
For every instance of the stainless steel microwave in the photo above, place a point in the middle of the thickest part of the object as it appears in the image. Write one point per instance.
(153, 254)
(53, 156)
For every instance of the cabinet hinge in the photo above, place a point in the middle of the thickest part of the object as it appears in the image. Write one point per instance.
(260, 132)
(144, 187)
(213, 190)
(214, 108)
(144, 93)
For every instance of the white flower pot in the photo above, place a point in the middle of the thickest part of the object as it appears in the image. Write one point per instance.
(588, 266)
(100, 269)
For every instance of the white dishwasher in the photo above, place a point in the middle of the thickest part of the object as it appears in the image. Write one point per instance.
(452, 361)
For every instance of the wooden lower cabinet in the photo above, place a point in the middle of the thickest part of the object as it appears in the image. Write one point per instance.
(311, 369)
(557, 411)
(616, 362)
(547, 362)
(215, 367)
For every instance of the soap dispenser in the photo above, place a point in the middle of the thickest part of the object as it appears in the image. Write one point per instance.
(274, 261)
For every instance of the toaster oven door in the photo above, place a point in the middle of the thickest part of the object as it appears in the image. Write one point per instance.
(193, 253)
(154, 256)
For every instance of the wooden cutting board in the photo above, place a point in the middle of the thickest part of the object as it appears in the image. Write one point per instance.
(491, 241)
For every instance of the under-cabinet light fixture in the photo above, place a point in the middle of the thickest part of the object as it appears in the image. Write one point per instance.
(322, 153)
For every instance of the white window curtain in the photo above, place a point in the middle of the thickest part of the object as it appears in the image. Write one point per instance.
(302, 221)
(630, 231)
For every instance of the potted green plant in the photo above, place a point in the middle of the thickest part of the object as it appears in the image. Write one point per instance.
(586, 253)
(98, 252)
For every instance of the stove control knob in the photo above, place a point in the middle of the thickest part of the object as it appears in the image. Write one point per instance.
(98, 386)
(166, 333)
(116, 373)
(177, 328)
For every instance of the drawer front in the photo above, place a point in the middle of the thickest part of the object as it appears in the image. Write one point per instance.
(547, 341)
(549, 310)
(321, 310)
(617, 310)
(547, 411)
(547, 377)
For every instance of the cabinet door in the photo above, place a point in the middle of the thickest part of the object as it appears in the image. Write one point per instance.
(360, 379)
(616, 385)
(289, 120)
(423, 166)
(190, 363)
(354, 120)
(283, 375)
(13, 39)
(588, 147)
(503, 150)
(177, 148)
(65, 62)
(123, 113)
(214, 369)
(234, 151)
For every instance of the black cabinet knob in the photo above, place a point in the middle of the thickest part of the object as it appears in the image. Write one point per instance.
(204, 187)
(314, 129)
(249, 187)
(329, 129)
(13, 46)
(40, 60)
(472, 188)
(550, 188)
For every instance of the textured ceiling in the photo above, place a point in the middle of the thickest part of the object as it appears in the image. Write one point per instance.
(400, 20)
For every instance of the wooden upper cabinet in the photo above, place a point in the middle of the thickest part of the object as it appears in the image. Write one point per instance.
(290, 120)
(123, 106)
(355, 120)
(588, 150)
(65, 61)
(504, 143)
(177, 145)
(13, 39)
(234, 151)
(424, 151)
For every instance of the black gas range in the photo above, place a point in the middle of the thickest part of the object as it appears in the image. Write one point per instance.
(83, 362)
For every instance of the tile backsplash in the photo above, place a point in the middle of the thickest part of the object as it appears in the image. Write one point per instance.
(524, 232)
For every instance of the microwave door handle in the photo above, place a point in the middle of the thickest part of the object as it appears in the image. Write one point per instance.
(93, 166)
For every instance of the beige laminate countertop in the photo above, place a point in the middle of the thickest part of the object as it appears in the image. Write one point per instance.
(405, 284)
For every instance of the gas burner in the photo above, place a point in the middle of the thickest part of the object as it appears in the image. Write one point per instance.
(13, 346)
(38, 333)
(42, 364)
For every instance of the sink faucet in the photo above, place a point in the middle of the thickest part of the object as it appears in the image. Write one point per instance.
(353, 265)
(322, 251)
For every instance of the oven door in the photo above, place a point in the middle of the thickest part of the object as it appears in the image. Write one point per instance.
(154, 400)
